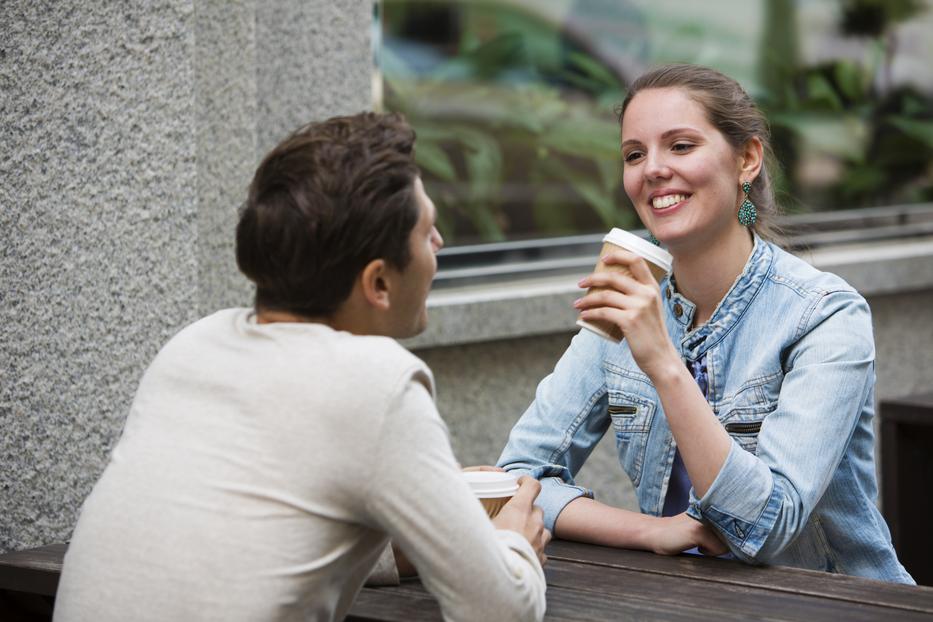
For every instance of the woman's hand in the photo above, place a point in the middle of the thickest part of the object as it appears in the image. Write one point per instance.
(631, 301)
(675, 534)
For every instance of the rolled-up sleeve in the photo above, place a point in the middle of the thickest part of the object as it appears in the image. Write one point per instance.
(559, 430)
(761, 503)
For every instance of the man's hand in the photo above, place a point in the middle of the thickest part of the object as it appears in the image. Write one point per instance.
(675, 534)
(520, 515)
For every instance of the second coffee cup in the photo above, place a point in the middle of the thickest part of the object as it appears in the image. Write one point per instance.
(659, 262)
(492, 488)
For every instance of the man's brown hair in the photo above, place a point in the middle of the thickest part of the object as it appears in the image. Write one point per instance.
(326, 201)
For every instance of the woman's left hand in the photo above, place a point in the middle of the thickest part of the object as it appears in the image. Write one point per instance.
(633, 303)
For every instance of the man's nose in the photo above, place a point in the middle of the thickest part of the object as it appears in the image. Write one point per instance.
(436, 239)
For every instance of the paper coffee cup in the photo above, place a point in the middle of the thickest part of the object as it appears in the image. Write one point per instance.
(492, 488)
(659, 262)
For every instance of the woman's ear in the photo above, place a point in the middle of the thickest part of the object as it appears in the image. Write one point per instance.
(751, 159)
(374, 283)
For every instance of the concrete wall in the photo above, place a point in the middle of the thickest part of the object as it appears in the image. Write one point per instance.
(483, 388)
(128, 135)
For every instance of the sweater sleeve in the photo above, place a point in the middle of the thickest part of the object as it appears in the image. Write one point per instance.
(418, 496)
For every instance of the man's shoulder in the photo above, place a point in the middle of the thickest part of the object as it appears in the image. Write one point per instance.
(371, 363)
(384, 358)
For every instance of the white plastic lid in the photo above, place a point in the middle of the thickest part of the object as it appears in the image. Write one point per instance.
(490, 484)
(643, 248)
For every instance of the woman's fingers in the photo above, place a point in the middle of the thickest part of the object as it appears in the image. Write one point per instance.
(710, 544)
(618, 281)
(636, 264)
(605, 298)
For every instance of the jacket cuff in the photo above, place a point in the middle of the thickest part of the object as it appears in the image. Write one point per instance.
(554, 497)
(742, 504)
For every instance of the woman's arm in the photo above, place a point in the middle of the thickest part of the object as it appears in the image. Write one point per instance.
(562, 426)
(586, 520)
(633, 303)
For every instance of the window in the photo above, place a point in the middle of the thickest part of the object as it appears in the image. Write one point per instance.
(513, 100)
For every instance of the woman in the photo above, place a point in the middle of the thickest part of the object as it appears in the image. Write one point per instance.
(742, 394)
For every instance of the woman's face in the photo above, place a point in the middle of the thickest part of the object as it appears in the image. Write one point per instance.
(679, 171)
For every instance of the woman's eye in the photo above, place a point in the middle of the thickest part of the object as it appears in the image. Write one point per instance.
(631, 156)
(682, 147)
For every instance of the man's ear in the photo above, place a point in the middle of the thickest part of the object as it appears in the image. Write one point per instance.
(374, 283)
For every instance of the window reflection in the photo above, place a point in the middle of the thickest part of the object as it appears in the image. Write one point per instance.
(514, 100)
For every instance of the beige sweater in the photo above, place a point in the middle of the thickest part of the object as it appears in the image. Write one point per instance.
(260, 472)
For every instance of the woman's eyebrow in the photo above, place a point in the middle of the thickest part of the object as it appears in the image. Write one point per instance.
(666, 134)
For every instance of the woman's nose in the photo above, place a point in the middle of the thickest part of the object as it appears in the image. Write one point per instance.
(436, 239)
(656, 167)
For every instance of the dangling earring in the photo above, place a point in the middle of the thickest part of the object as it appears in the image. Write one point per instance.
(748, 213)
(653, 239)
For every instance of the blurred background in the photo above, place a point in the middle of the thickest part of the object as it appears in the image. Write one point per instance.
(514, 100)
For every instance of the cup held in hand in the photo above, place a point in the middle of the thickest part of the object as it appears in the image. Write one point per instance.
(659, 262)
(492, 488)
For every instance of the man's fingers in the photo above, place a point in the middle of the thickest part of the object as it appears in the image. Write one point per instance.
(528, 489)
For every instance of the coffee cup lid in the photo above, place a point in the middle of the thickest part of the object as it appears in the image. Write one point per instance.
(641, 247)
(489, 484)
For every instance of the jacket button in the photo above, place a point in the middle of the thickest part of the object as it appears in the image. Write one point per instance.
(678, 310)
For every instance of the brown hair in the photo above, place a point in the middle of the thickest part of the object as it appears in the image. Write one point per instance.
(326, 201)
(731, 111)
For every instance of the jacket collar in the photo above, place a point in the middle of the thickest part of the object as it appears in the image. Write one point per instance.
(680, 311)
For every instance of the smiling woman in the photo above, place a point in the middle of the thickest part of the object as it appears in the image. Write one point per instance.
(702, 128)
(742, 396)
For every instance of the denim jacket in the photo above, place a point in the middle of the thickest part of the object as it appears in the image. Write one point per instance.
(790, 362)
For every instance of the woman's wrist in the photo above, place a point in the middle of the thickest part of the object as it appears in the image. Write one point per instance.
(668, 371)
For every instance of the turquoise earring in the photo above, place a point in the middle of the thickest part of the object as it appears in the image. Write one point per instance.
(653, 239)
(748, 213)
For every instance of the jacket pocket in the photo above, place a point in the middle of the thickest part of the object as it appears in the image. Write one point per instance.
(631, 420)
(744, 425)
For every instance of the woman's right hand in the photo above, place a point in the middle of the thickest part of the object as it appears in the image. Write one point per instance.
(520, 515)
(675, 534)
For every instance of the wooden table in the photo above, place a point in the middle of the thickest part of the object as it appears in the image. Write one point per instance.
(597, 583)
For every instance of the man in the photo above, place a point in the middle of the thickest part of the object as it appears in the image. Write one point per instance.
(271, 453)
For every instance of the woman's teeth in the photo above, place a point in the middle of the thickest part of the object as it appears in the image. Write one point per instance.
(667, 200)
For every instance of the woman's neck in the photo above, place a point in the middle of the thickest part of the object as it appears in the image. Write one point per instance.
(704, 274)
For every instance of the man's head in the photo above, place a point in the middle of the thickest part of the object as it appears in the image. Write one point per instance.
(337, 227)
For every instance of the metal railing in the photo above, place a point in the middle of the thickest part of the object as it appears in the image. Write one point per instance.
(501, 261)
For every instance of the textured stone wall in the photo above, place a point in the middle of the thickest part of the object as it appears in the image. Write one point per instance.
(128, 134)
